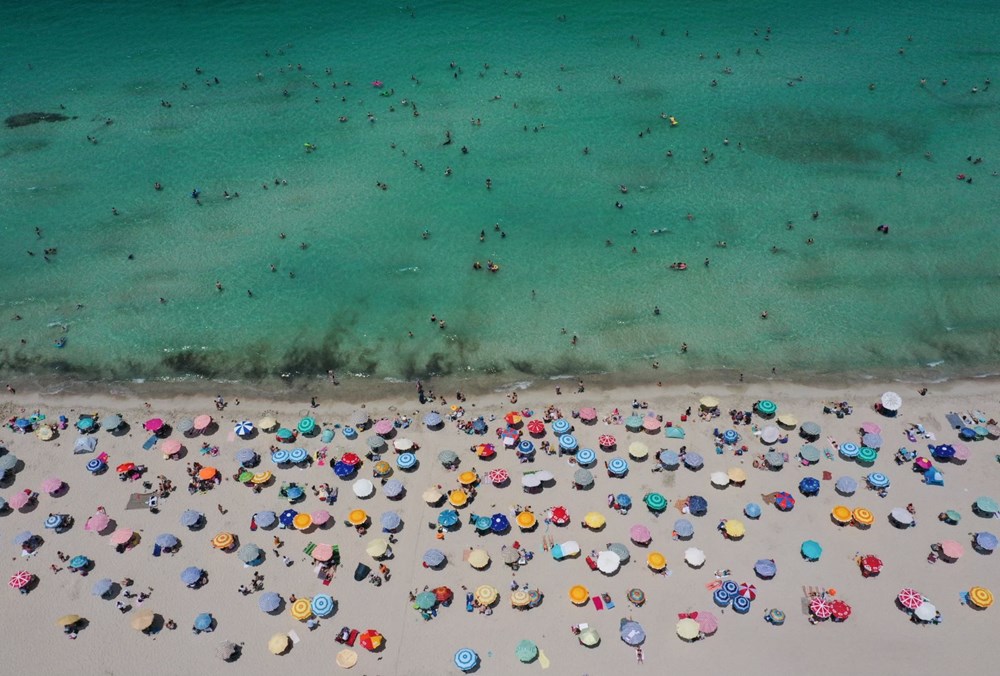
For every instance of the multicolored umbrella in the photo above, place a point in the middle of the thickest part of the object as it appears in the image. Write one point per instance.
(636, 596)
(784, 501)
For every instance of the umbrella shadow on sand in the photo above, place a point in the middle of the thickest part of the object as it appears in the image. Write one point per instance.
(122, 430)
(63, 491)
(281, 608)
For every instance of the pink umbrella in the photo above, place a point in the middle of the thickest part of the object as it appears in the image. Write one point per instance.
(171, 447)
(651, 424)
(322, 552)
(19, 500)
(820, 607)
(98, 522)
(870, 428)
(951, 549)
(961, 452)
(383, 427)
(497, 475)
(607, 440)
(52, 484)
(588, 413)
(910, 598)
(121, 536)
(153, 425)
(923, 463)
(202, 422)
(536, 427)
(640, 534)
(748, 590)
(21, 578)
(320, 516)
(707, 622)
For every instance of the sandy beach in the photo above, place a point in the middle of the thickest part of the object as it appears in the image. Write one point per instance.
(877, 637)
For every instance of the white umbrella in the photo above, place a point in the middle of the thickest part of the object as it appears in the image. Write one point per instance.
(891, 401)
(720, 479)
(769, 434)
(608, 562)
(694, 556)
(403, 444)
(925, 611)
(544, 475)
(530, 481)
(901, 516)
(363, 488)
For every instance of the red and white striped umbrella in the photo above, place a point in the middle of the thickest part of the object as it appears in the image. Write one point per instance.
(536, 427)
(910, 598)
(20, 579)
(748, 590)
(560, 516)
(497, 475)
(820, 607)
(607, 440)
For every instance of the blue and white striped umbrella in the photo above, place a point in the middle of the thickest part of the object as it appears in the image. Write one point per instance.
(721, 597)
(95, 465)
(561, 426)
(393, 488)
(567, 442)
(617, 466)
(280, 456)
(741, 604)
(731, 587)
(243, 428)
(269, 602)
(53, 520)
(466, 659)
(322, 605)
(730, 436)
(297, 455)
(849, 450)
(350, 433)
(167, 540)
(406, 460)
(525, 447)
(878, 480)
(585, 456)
(390, 521)
(246, 456)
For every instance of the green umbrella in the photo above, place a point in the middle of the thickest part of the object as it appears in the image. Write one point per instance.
(526, 650)
(655, 502)
(307, 425)
(447, 457)
(987, 505)
(633, 421)
(426, 600)
(809, 453)
(245, 477)
(953, 516)
(866, 454)
(766, 407)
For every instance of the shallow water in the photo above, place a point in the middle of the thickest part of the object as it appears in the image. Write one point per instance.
(854, 301)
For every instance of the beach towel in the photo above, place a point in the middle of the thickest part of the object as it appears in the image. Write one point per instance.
(598, 603)
(149, 443)
(138, 501)
(156, 550)
(295, 637)
(542, 659)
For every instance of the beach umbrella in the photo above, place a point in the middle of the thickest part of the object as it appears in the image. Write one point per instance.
(224, 540)
(20, 579)
(497, 476)
(458, 498)
(512, 418)
(620, 550)
(375, 443)
(863, 516)
(447, 518)
(486, 594)
(403, 444)
(389, 521)
(302, 521)
(478, 558)
(499, 523)
(943, 451)
(346, 658)
(167, 540)
(191, 575)
(656, 561)
(579, 594)
(559, 516)
(841, 514)
(382, 468)
(900, 516)
(203, 622)
(688, 629)
(561, 426)
(867, 455)
(809, 486)
(871, 564)
(79, 561)
(261, 478)
(987, 505)
(377, 548)
(227, 650)
(633, 422)
(872, 440)
(359, 418)
(269, 602)
(246, 456)
(54, 521)
(766, 407)
(121, 536)
(23, 537)
(405, 460)
(846, 485)
(583, 477)
(468, 478)
(770, 434)
(153, 425)
(393, 488)
(301, 609)
(185, 425)
(651, 423)
(265, 519)
(243, 428)
(741, 604)
(640, 534)
(986, 541)
(357, 517)
(8, 462)
(655, 502)
(284, 434)
(526, 650)
(432, 419)
(910, 598)
(951, 549)
(525, 447)
(143, 620)
(952, 517)
(708, 403)
(891, 401)
(608, 562)
(278, 643)
(784, 501)
(589, 637)
(84, 424)
(95, 465)
(287, 518)
(102, 587)
(820, 607)
(207, 473)
(19, 499)
(683, 528)
(588, 413)
(536, 427)
(68, 620)
(510, 555)
(697, 505)
(297, 455)
(433, 558)
(594, 520)
(809, 453)
(618, 467)
(694, 557)
(719, 479)
(981, 597)
(171, 447)
(280, 456)
(736, 475)
(765, 568)
(747, 591)
(752, 510)
(811, 550)
(466, 659)
(632, 633)
(693, 460)
(443, 594)
(849, 450)
(202, 422)
(479, 425)
(568, 442)
(383, 427)
(425, 600)
(774, 459)
(97, 522)
(788, 420)
(734, 528)
(432, 496)
(730, 436)
(51, 485)
(306, 425)
(322, 552)
(810, 429)
(447, 457)
(363, 488)
(925, 611)
(526, 520)
(112, 422)
(669, 458)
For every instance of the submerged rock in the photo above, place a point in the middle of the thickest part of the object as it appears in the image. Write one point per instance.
(24, 119)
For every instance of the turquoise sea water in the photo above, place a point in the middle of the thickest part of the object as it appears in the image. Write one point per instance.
(854, 301)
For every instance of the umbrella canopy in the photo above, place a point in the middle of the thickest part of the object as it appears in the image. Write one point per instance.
(560, 516)
(389, 521)
(589, 637)
(655, 502)
(466, 659)
(632, 633)
(406, 460)
(987, 505)
(568, 442)
(67, 620)
(925, 611)
(752, 510)
(708, 623)
(153, 425)
(683, 528)
(51, 484)
(784, 501)
(121, 536)
(377, 548)
(375, 443)
(579, 594)
(265, 519)
(269, 602)
(102, 587)
(23, 537)
(249, 553)
(393, 488)
(651, 423)
(285, 434)
(736, 474)
(363, 488)
(594, 520)
(171, 447)
(432, 419)
(656, 561)
(19, 500)
(185, 425)
(447, 457)
(901, 516)
(478, 558)
(583, 477)
(986, 541)
(54, 521)
(608, 562)
(720, 479)
(811, 550)
(981, 597)
(849, 450)
(227, 650)
(809, 453)
(910, 598)
(278, 643)
(788, 420)
(620, 550)
(302, 520)
(526, 520)
(191, 575)
(526, 650)
(640, 534)
(202, 422)
(770, 434)
(497, 475)
(447, 518)
(246, 456)
(618, 467)
(561, 426)
(810, 429)
(94, 465)
(688, 629)
(458, 498)
(863, 516)
(487, 594)
(846, 485)
(693, 460)
(306, 425)
(425, 600)
(774, 459)
(322, 552)
(301, 609)
(766, 407)
(820, 607)
(588, 413)
(167, 540)
(872, 440)
(747, 591)
(951, 549)
(357, 517)
(433, 558)
(97, 522)
(697, 505)
(735, 528)
(871, 564)
(841, 514)
(143, 620)
(891, 401)
(287, 518)
(203, 621)
(694, 557)
(536, 427)
(383, 427)
(243, 428)
(20, 579)
(867, 454)
(765, 568)
(809, 485)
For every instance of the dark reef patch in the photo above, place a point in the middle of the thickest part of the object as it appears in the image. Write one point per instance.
(25, 119)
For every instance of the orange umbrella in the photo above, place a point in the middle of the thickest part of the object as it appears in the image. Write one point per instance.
(526, 520)
(357, 517)
(468, 478)
(223, 540)
(207, 473)
(458, 498)
(863, 516)
(513, 418)
(302, 520)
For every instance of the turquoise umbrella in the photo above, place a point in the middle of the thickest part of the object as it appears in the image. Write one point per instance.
(766, 407)
(812, 550)
(307, 425)
(987, 505)
(483, 523)
(526, 650)
(634, 422)
(867, 455)
(285, 433)
(425, 600)
(655, 502)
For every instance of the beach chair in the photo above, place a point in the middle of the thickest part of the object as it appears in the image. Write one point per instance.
(309, 549)
(157, 550)
(591, 563)
(352, 637)
(295, 637)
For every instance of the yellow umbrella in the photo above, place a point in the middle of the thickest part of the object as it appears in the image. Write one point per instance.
(735, 528)
(261, 478)
(737, 475)
(579, 594)
(382, 468)
(223, 540)
(347, 658)
(526, 520)
(981, 597)
(520, 598)
(377, 547)
(588, 637)
(357, 517)
(594, 520)
(788, 420)
(468, 478)
(688, 629)
(458, 498)
(656, 561)
(278, 643)
(142, 620)
(302, 609)
(44, 433)
(67, 620)
(487, 594)
(863, 516)
(638, 450)
(267, 423)
(478, 558)
(432, 495)
(841, 514)
(709, 402)
(302, 520)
